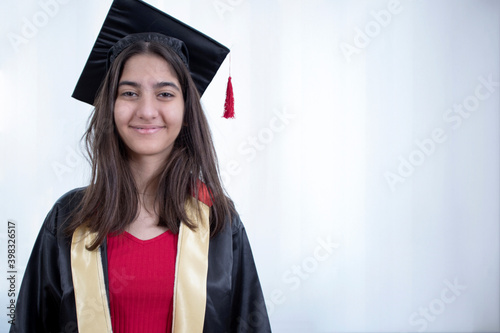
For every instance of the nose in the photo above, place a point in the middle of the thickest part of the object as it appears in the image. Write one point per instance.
(147, 107)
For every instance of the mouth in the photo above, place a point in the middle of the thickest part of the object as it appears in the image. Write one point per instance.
(147, 129)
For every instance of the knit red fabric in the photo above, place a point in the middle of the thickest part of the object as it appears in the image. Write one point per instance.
(141, 282)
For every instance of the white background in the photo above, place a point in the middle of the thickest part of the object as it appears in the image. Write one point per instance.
(347, 133)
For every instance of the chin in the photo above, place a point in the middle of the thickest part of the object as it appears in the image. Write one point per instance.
(149, 152)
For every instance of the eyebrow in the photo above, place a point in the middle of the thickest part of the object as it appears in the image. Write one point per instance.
(156, 85)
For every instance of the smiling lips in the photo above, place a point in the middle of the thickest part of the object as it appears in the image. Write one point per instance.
(147, 129)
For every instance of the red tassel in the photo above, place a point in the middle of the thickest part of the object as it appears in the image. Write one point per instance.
(229, 104)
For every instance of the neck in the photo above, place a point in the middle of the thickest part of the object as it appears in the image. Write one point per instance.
(144, 169)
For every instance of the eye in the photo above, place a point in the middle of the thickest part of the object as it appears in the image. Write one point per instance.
(129, 94)
(166, 95)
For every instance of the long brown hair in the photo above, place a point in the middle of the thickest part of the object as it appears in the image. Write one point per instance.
(110, 202)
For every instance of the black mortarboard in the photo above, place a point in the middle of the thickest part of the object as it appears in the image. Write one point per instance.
(126, 17)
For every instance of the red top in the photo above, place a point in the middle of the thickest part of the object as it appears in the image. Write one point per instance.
(141, 282)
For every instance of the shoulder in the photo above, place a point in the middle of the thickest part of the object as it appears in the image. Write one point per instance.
(62, 210)
(233, 226)
(70, 198)
(236, 223)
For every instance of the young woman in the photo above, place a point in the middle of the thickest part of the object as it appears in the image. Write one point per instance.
(152, 244)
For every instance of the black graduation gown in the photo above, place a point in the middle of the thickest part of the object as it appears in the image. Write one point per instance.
(46, 301)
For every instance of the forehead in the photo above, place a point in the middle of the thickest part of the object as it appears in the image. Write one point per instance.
(147, 65)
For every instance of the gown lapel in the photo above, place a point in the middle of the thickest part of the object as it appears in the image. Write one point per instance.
(92, 309)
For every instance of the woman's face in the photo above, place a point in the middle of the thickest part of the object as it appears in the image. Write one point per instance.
(149, 107)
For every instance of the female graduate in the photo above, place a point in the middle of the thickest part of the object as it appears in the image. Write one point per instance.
(152, 244)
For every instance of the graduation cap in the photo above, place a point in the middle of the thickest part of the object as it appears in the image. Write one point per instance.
(126, 17)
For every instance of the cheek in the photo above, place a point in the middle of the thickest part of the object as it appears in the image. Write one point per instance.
(120, 115)
(179, 119)
(176, 118)
(120, 124)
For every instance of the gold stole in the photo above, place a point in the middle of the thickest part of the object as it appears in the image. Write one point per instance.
(190, 286)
